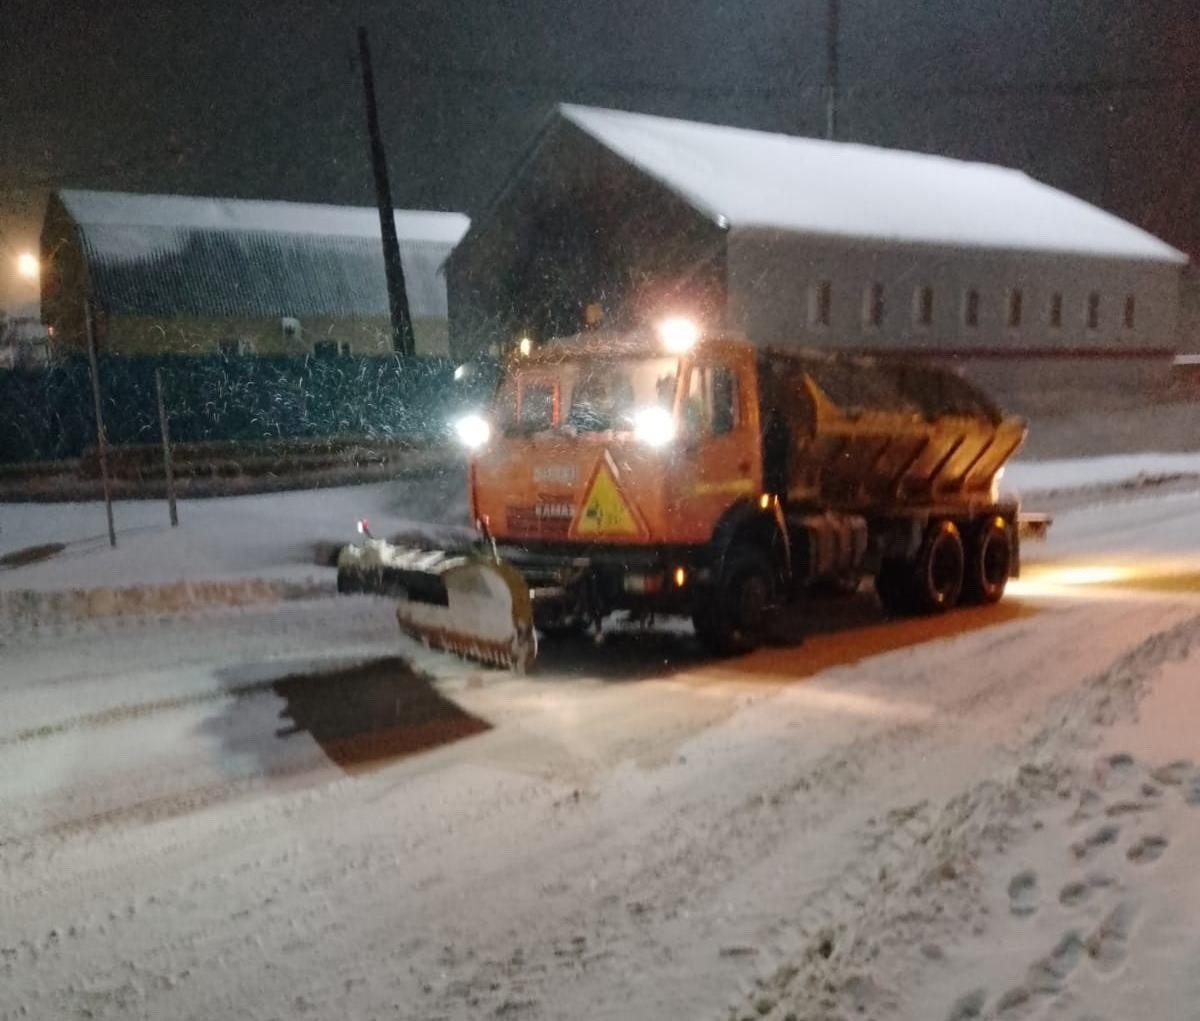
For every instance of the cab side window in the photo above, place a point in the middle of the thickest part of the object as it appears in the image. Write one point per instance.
(724, 400)
(712, 401)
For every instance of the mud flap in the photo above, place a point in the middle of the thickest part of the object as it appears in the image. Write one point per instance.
(469, 604)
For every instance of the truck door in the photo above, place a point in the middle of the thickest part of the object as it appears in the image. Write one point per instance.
(721, 462)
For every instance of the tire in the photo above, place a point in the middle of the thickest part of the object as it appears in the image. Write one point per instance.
(989, 554)
(733, 618)
(939, 569)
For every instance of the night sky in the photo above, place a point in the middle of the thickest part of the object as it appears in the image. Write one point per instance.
(1101, 97)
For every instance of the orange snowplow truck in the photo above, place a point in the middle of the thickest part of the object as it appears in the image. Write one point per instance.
(668, 472)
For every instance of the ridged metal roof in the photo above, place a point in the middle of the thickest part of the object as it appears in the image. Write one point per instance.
(171, 255)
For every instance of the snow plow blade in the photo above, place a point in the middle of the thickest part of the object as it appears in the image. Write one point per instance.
(470, 604)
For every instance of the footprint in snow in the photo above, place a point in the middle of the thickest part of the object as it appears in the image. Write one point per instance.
(1095, 842)
(1115, 769)
(1090, 803)
(968, 1007)
(1127, 808)
(1023, 893)
(1173, 774)
(1078, 892)
(1109, 944)
(1048, 974)
(1147, 850)
(1045, 977)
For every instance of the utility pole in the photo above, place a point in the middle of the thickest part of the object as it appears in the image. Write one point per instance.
(164, 430)
(101, 436)
(402, 332)
(831, 69)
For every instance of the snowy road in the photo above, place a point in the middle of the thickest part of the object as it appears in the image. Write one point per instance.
(266, 813)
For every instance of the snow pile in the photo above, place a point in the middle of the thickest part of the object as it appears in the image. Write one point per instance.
(288, 536)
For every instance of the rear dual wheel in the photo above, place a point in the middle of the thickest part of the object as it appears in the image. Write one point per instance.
(930, 583)
(949, 569)
(989, 551)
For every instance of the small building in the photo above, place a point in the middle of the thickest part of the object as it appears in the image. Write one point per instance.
(184, 275)
(614, 217)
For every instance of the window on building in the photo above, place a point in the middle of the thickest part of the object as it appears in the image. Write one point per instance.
(1016, 306)
(971, 308)
(1130, 311)
(923, 306)
(1093, 311)
(1056, 307)
(872, 307)
(820, 303)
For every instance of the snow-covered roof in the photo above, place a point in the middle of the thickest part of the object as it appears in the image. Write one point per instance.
(174, 254)
(758, 180)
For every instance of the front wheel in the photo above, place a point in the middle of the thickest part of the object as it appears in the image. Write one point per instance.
(733, 618)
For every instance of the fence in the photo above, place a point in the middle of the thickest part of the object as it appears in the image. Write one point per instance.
(47, 414)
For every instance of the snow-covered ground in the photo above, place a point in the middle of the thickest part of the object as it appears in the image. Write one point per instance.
(288, 810)
(279, 536)
(1037, 477)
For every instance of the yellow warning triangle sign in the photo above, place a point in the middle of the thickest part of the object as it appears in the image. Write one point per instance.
(605, 511)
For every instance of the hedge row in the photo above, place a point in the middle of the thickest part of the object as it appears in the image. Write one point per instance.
(47, 414)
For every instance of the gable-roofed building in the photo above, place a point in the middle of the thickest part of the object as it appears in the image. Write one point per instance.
(170, 273)
(618, 217)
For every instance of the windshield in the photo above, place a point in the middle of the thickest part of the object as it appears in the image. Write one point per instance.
(585, 395)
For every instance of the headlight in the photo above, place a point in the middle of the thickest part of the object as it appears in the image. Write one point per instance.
(678, 335)
(653, 426)
(473, 431)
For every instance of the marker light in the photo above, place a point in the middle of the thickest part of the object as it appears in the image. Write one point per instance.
(473, 431)
(653, 426)
(678, 334)
(525, 346)
(680, 577)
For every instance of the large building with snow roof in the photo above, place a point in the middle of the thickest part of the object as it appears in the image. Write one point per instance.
(177, 274)
(617, 217)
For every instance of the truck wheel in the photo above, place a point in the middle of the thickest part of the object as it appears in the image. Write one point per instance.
(733, 619)
(989, 562)
(939, 568)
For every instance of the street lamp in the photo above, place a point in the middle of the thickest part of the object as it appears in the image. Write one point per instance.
(27, 266)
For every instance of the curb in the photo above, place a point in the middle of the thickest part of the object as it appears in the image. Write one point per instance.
(30, 609)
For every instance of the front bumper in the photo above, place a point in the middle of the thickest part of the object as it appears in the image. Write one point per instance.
(569, 583)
